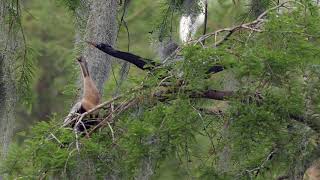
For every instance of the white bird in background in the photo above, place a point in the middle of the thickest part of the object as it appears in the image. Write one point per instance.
(191, 21)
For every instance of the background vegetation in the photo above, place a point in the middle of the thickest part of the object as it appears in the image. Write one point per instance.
(255, 134)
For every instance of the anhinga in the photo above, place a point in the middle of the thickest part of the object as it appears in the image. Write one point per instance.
(140, 62)
(91, 96)
(191, 20)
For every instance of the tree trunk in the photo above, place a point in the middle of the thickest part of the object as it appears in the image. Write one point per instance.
(101, 26)
(8, 46)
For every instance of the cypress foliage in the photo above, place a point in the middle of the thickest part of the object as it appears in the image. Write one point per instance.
(271, 117)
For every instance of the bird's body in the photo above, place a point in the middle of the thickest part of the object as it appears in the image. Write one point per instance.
(91, 96)
(191, 20)
(189, 24)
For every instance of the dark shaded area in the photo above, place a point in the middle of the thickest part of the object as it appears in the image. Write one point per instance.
(258, 7)
(2, 83)
(213, 94)
(215, 69)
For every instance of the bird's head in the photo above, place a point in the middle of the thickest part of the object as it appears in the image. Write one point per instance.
(100, 46)
(80, 59)
(84, 66)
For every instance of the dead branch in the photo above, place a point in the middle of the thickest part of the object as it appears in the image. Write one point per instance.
(113, 114)
(257, 169)
(75, 117)
(252, 26)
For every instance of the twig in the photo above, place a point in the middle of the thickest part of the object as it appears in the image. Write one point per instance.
(205, 128)
(111, 115)
(77, 141)
(253, 26)
(261, 166)
(65, 164)
(124, 22)
(92, 110)
(84, 127)
(112, 132)
(54, 137)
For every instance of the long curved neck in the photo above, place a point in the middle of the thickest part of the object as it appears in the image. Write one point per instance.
(91, 95)
(90, 91)
(84, 69)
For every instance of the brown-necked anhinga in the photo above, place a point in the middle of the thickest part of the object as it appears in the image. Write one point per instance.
(91, 96)
(141, 63)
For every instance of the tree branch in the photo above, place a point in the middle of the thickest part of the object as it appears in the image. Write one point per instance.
(253, 26)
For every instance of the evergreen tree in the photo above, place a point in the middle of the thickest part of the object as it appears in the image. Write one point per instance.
(246, 105)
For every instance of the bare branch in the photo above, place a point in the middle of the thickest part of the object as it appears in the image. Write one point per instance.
(252, 26)
(257, 169)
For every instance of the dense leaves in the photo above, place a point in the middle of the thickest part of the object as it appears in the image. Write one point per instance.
(266, 130)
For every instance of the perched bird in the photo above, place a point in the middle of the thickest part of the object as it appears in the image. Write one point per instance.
(140, 62)
(91, 96)
(192, 19)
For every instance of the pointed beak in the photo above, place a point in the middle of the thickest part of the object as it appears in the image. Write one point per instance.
(79, 59)
(91, 43)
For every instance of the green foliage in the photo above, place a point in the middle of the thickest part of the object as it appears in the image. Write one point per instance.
(167, 18)
(258, 7)
(25, 74)
(52, 59)
(18, 50)
(72, 5)
(252, 136)
(43, 152)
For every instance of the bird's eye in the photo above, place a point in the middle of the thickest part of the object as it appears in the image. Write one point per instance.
(79, 59)
(100, 46)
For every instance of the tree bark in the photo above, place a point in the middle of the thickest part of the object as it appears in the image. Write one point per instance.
(100, 26)
(8, 46)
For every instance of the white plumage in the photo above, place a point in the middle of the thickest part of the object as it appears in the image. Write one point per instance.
(190, 23)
